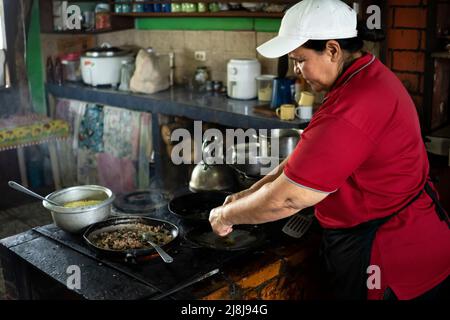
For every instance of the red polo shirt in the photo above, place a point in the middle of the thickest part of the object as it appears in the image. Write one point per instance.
(364, 147)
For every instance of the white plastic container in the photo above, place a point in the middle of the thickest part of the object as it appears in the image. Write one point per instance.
(241, 78)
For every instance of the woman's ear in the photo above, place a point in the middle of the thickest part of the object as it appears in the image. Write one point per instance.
(333, 50)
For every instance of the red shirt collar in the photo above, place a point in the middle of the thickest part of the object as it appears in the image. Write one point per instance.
(357, 65)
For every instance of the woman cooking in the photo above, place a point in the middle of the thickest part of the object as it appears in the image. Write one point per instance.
(361, 162)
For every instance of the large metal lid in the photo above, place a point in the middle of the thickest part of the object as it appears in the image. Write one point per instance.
(105, 50)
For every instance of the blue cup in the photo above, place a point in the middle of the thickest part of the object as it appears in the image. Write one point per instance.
(281, 92)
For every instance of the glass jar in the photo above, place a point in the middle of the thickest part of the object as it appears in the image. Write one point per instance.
(126, 72)
(264, 84)
(189, 7)
(137, 7)
(71, 67)
(176, 7)
(202, 7)
(126, 6)
(201, 76)
(118, 6)
(214, 7)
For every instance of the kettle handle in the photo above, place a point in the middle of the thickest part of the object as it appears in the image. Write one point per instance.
(204, 145)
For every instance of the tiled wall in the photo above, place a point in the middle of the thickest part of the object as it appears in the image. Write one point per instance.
(220, 47)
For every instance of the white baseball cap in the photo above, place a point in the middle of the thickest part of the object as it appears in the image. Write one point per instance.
(311, 20)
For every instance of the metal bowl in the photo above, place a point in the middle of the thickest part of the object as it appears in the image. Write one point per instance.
(74, 220)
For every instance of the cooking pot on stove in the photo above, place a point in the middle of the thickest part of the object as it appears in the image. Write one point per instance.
(74, 220)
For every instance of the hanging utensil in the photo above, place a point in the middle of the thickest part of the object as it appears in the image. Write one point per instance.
(21, 188)
(298, 224)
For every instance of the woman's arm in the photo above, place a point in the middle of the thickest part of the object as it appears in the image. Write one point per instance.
(274, 200)
(275, 173)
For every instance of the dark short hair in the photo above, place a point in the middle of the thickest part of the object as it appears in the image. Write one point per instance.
(350, 44)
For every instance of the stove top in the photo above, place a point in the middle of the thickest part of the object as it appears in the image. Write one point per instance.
(189, 261)
(140, 202)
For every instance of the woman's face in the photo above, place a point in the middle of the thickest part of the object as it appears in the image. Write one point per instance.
(319, 69)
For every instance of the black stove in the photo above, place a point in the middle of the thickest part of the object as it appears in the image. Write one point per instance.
(150, 271)
(140, 202)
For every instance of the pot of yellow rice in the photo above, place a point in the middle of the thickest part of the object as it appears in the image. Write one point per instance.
(80, 207)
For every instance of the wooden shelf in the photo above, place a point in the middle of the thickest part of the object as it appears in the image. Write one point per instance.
(201, 1)
(202, 14)
(85, 32)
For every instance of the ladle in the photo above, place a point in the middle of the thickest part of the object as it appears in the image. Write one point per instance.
(21, 188)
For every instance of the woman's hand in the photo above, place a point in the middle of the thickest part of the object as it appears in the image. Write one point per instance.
(218, 223)
(236, 196)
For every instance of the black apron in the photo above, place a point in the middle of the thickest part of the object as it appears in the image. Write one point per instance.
(346, 252)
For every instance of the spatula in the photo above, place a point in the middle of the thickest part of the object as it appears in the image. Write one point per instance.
(298, 225)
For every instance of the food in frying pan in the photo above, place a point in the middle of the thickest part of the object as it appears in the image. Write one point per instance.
(130, 237)
(81, 203)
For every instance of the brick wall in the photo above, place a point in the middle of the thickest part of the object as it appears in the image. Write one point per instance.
(406, 40)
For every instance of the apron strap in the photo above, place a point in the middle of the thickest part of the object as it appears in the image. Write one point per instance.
(442, 214)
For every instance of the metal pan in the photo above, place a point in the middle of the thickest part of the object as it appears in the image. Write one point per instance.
(129, 255)
(196, 206)
(242, 238)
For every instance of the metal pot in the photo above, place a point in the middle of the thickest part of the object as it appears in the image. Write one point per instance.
(74, 220)
(247, 160)
(287, 141)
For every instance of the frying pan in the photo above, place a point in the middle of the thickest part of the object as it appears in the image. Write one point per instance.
(241, 238)
(196, 206)
(129, 255)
